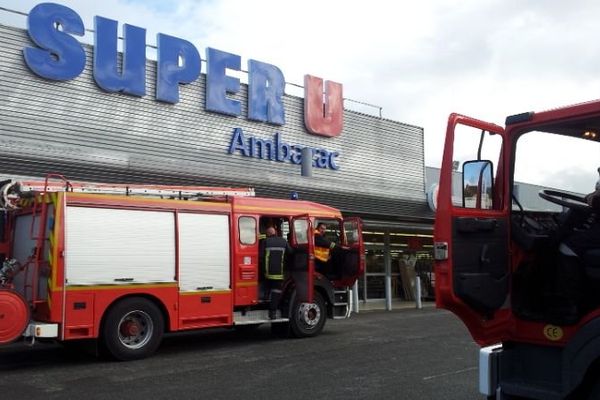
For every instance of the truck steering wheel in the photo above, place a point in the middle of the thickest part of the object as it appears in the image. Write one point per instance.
(564, 199)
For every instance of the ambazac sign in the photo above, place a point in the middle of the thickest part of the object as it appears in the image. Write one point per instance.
(60, 56)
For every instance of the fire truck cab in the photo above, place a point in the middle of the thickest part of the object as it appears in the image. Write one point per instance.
(123, 264)
(519, 263)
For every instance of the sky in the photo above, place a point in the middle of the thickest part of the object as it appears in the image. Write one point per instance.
(417, 60)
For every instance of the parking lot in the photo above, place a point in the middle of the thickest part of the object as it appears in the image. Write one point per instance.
(402, 354)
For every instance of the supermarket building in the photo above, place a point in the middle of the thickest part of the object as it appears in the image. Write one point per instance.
(82, 111)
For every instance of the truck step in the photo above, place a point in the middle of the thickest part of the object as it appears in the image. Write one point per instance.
(262, 321)
(341, 310)
(256, 317)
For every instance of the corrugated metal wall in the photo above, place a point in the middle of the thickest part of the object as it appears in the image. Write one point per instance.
(76, 129)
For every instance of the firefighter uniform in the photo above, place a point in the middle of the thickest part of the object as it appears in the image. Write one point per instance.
(323, 249)
(276, 249)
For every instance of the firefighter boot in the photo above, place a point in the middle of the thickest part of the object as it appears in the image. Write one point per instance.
(274, 303)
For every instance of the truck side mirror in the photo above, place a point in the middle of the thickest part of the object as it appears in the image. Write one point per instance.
(478, 184)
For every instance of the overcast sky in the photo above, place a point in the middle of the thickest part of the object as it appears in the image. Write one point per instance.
(418, 60)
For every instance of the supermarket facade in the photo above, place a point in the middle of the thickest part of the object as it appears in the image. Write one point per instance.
(85, 112)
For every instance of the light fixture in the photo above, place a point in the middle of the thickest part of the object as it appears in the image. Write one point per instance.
(589, 135)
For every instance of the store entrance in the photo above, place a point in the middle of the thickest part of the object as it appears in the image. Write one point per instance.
(400, 256)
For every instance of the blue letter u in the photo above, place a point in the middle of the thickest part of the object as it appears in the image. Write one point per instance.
(132, 78)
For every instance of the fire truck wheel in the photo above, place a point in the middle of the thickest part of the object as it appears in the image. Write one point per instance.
(246, 328)
(308, 319)
(594, 392)
(132, 329)
(281, 329)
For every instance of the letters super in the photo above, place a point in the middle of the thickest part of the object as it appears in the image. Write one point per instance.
(60, 56)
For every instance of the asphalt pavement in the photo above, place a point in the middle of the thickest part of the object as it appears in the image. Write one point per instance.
(401, 354)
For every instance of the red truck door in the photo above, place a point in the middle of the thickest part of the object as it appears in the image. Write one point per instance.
(354, 256)
(304, 255)
(471, 229)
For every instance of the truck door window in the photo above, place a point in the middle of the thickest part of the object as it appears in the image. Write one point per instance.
(471, 146)
(333, 231)
(351, 232)
(545, 160)
(300, 228)
(247, 230)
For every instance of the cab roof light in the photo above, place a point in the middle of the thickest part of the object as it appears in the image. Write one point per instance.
(589, 135)
(518, 118)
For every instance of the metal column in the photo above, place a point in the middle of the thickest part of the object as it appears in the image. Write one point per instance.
(355, 306)
(387, 261)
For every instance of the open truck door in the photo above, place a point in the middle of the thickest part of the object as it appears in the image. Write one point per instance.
(352, 265)
(303, 243)
(471, 246)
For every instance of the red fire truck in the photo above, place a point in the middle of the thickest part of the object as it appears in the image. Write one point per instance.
(124, 264)
(517, 249)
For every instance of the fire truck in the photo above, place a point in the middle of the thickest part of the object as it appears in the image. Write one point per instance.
(124, 264)
(517, 249)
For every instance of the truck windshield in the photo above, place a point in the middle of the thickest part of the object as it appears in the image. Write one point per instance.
(550, 161)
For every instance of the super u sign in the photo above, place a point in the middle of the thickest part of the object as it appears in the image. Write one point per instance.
(58, 55)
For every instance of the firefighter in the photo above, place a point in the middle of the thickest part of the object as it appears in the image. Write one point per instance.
(583, 235)
(276, 250)
(323, 247)
(586, 235)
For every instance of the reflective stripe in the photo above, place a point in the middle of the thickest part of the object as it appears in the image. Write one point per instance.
(282, 249)
(322, 254)
(276, 276)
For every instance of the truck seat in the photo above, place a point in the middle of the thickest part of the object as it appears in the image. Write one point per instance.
(591, 260)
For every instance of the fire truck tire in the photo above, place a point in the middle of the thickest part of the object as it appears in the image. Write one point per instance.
(504, 396)
(308, 319)
(281, 329)
(132, 329)
(14, 315)
(594, 392)
(246, 328)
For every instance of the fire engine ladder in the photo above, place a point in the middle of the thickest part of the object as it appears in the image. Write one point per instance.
(12, 195)
(161, 191)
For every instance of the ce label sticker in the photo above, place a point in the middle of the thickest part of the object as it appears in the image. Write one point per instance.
(553, 332)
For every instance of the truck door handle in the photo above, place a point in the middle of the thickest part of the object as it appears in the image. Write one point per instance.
(469, 224)
(483, 256)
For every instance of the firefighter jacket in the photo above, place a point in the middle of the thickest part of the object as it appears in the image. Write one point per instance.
(275, 251)
(322, 247)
